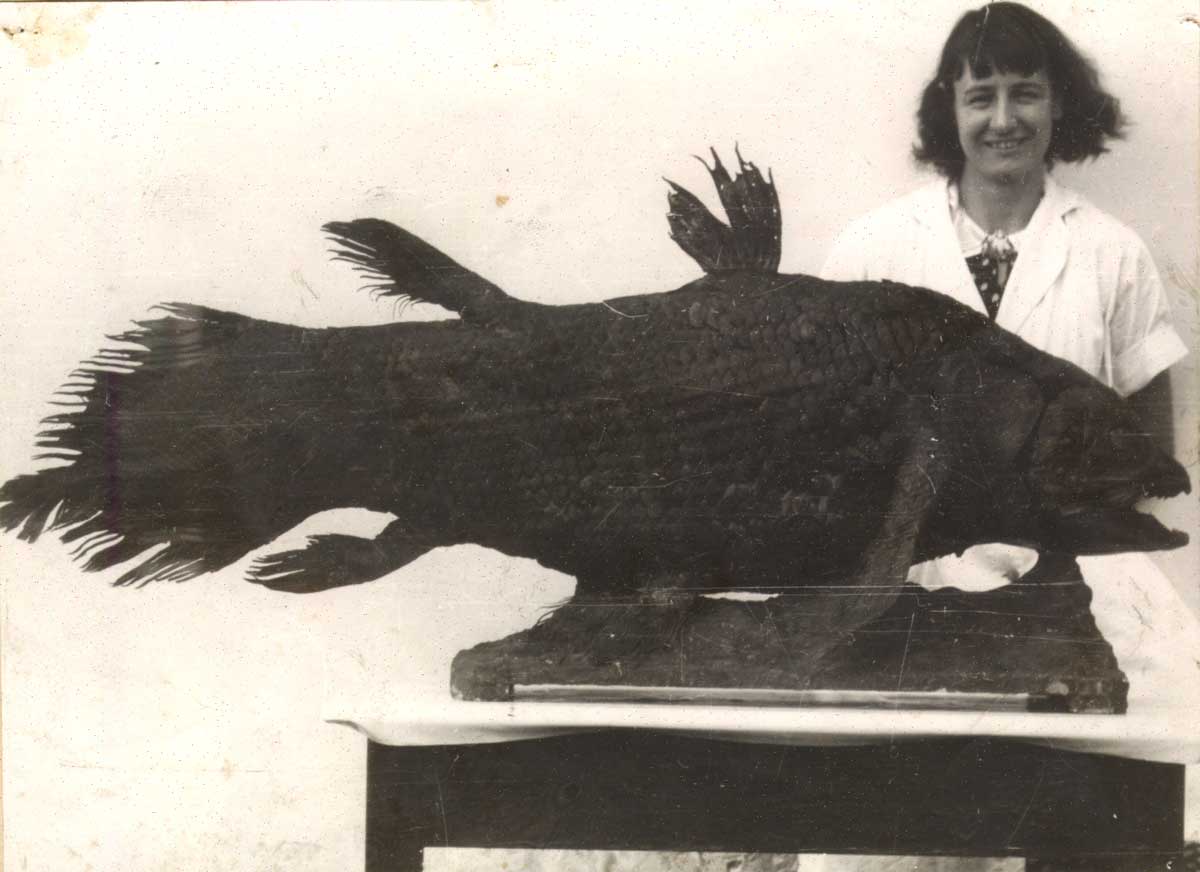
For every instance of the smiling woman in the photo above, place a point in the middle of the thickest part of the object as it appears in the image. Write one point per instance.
(1008, 74)
(1011, 97)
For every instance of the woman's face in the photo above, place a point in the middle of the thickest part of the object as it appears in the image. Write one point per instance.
(1004, 123)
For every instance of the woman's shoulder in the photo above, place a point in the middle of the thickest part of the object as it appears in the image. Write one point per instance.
(887, 241)
(1094, 227)
(913, 207)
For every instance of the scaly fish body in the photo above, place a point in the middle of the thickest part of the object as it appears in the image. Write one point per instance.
(748, 430)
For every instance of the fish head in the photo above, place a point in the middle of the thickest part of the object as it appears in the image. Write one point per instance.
(1041, 454)
(1091, 462)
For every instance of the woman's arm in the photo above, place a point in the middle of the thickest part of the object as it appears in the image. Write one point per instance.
(1153, 405)
(1143, 342)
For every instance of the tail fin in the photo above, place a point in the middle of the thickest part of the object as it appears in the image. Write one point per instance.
(411, 269)
(158, 448)
(752, 239)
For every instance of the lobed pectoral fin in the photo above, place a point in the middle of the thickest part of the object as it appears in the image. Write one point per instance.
(337, 560)
(887, 559)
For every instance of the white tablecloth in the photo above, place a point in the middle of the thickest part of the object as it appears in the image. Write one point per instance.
(394, 685)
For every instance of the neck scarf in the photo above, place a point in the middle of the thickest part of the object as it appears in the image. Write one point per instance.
(991, 268)
(990, 256)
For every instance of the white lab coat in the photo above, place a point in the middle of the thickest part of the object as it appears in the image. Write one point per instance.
(1083, 288)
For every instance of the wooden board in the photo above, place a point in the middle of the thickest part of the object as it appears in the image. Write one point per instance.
(1031, 645)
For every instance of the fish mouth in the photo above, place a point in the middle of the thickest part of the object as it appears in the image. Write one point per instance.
(1118, 521)
(1112, 531)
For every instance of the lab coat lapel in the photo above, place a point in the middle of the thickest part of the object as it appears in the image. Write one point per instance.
(1041, 258)
(945, 269)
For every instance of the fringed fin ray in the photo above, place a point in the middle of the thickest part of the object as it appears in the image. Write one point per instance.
(751, 241)
(132, 478)
(400, 265)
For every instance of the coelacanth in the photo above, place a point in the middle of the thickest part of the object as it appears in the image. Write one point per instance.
(748, 430)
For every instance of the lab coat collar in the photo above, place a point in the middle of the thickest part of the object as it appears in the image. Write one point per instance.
(1038, 266)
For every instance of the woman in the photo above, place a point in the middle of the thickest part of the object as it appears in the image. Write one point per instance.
(1011, 97)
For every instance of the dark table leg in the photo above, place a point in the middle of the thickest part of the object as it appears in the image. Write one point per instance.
(636, 790)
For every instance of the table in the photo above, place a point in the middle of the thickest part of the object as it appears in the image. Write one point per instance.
(1102, 793)
(653, 790)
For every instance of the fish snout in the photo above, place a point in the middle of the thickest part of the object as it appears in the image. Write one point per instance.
(1167, 478)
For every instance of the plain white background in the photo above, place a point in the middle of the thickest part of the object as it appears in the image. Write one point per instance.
(192, 152)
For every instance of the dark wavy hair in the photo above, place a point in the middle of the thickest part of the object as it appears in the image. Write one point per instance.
(1008, 37)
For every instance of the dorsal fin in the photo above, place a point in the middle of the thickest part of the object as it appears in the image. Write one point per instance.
(751, 239)
(401, 265)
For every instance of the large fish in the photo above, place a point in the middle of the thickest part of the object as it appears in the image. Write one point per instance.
(747, 430)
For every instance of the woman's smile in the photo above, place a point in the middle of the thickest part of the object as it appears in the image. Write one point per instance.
(1003, 145)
